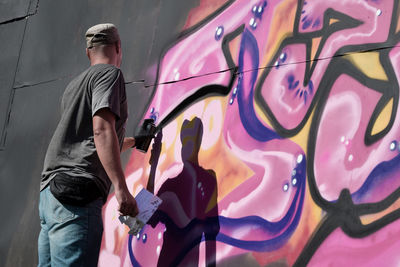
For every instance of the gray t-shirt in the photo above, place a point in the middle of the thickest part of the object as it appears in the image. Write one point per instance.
(72, 150)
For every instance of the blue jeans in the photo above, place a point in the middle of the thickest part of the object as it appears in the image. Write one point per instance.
(70, 235)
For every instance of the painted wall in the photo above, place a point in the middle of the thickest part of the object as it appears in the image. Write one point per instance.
(292, 109)
(42, 47)
(280, 142)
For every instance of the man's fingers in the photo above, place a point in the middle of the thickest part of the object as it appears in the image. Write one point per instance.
(134, 212)
(123, 209)
(130, 210)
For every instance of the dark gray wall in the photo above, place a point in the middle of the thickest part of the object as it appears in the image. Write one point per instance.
(42, 47)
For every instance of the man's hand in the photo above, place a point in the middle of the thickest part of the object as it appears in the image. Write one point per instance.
(128, 143)
(127, 203)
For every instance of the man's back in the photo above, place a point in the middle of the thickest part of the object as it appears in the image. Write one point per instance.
(72, 150)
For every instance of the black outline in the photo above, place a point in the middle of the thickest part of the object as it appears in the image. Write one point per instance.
(345, 22)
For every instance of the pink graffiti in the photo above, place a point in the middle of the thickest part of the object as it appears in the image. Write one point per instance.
(289, 110)
(341, 159)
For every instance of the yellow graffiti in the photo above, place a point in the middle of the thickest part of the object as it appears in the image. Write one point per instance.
(369, 64)
(383, 118)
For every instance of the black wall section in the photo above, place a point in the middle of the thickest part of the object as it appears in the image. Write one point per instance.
(54, 41)
(43, 51)
(9, 53)
(137, 95)
(11, 10)
(33, 117)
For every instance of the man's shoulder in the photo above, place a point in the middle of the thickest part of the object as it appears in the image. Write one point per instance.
(105, 68)
(105, 71)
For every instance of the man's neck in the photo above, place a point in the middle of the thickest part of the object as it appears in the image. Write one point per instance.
(103, 61)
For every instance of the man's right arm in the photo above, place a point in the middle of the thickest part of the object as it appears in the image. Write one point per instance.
(108, 150)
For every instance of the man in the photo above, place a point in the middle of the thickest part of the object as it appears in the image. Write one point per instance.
(83, 157)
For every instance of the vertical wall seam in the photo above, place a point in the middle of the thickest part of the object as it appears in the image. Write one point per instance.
(12, 93)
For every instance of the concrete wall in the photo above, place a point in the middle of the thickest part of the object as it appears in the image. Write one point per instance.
(293, 105)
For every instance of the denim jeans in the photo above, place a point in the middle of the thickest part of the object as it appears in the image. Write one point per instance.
(70, 235)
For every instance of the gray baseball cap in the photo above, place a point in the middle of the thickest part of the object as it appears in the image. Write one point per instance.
(101, 34)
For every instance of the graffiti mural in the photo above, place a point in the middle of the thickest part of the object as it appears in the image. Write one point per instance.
(279, 140)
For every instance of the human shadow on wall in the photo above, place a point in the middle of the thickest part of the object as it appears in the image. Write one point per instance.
(189, 209)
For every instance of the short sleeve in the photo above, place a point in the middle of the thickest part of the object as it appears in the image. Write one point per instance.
(106, 91)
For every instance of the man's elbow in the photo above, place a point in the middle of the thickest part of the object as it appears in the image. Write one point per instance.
(103, 122)
(99, 131)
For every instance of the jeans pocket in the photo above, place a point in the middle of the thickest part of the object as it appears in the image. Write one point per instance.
(61, 213)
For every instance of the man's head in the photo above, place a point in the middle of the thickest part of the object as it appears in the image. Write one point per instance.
(191, 137)
(103, 44)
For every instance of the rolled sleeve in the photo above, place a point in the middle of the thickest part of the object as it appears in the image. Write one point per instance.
(106, 92)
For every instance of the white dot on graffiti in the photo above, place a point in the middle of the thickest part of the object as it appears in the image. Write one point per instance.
(235, 90)
(379, 12)
(231, 101)
(255, 25)
(158, 250)
(251, 21)
(351, 157)
(138, 236)
(347, 143)
(159, 235)
(294, 181)
(393, 146)
(342, 139)
(254, 8)
(176, 76)
(260, 9)
(199, 185)
(299, 158)
(276, 63)
(282, 56)
(219, 31)
(285, 187)
(293, 172)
